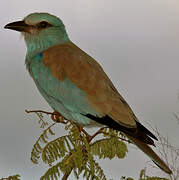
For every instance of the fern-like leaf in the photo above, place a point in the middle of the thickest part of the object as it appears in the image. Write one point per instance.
(109, 148)
(37, 148)
(15, 177)
(52, 173)
(55, 149)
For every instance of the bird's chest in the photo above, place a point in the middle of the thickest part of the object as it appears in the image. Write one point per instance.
(45, 81)
(53, 89)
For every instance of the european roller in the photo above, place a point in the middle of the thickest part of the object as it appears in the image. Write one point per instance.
(74, 84)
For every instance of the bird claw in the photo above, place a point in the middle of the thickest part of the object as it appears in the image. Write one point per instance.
(57, 117)
(80, 128)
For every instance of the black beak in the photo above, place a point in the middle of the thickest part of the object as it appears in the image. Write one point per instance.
(17, 26)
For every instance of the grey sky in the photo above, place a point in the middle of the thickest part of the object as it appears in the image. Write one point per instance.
(136, 42)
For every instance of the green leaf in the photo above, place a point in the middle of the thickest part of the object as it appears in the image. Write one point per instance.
(109, 148)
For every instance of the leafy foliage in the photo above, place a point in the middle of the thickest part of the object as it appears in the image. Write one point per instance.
(37, 148)
(77, 151)
(109, 148)
(15, 177)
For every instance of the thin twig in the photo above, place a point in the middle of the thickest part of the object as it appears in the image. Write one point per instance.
(66, 175)
(40, 111)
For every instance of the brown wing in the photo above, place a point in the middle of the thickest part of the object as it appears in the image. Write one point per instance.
(69, 61)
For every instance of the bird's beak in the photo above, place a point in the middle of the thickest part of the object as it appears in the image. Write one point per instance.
(18, 26)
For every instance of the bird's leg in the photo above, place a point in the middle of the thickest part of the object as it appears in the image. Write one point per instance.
(100, 131)
(80, 128)
(89, 137)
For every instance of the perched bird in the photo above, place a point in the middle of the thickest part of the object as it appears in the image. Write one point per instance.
(74, 84)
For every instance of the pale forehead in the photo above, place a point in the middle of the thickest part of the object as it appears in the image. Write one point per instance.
(35, 18)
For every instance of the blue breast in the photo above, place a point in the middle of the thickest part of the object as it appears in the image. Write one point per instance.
(62, 96)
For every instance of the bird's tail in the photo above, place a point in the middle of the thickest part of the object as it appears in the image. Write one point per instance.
(149, 152)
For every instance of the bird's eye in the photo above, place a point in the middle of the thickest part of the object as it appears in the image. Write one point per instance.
(43, 24)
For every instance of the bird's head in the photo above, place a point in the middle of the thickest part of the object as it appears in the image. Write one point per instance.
(40, 31)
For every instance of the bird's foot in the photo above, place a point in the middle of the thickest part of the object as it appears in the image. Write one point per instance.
(90, 137)
(81, 129)
(57, 117)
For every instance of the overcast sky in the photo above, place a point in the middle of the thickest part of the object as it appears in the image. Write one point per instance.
(136, 42)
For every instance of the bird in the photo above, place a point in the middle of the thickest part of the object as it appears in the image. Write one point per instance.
(75, 85)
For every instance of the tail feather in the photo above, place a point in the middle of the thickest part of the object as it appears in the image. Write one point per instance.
(149, 152)
(140, 136)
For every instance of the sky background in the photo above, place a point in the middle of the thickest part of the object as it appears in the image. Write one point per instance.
(136, 42)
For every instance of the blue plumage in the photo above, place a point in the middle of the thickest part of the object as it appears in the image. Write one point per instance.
(63, 96)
